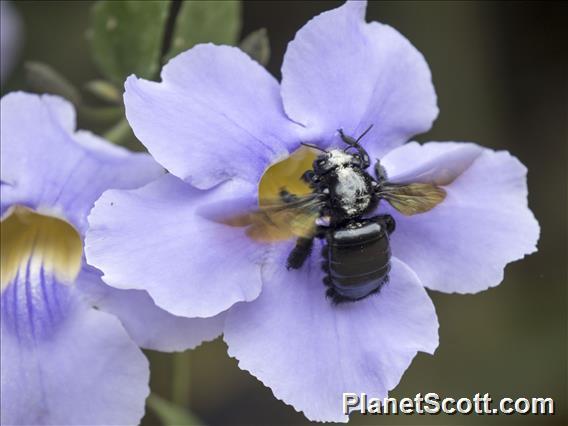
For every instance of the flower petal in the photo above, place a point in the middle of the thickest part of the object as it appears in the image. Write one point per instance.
(87, 372)
(154, 239)
(149, 326)
(463, 244)
(48, 167)
(309, 351)
(340, 72)
(217, 114)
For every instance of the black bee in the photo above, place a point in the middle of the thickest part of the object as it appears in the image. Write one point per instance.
(338, 209)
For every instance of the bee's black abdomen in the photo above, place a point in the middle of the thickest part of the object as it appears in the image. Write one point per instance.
(358, 260)
(338, 298)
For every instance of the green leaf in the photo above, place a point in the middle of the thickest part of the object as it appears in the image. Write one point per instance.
(41, 78)
(126, 37)
(257, 46)
(198, 21)
(171, 414)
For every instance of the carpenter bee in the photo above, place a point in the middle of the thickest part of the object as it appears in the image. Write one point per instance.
(338, 209)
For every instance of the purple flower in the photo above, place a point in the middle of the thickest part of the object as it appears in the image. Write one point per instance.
(218, 120)
(64, 362)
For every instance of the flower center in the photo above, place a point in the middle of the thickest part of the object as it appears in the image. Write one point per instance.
(39, 253)
(286, 175)
(30, 240)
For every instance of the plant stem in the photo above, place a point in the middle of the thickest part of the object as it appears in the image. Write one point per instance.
(119, 133)
(170, 414)
(180, 380)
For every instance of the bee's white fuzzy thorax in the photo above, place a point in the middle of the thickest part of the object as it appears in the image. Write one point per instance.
(351, 186)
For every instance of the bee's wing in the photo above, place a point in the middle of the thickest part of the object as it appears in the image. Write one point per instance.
(277, 220)
(412, 198)
(421, 189)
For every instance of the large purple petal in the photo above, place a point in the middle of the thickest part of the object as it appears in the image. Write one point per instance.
(47, 166)
(149, 326)
(155, 239)
(217, 114)
(340, 72)
(64, 362)
(309, 351)
(463, 244)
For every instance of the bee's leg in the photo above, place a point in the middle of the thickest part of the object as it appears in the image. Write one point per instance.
(321, 232)
(310, 178)
(386, 221)
(287, 197)
(300, 253)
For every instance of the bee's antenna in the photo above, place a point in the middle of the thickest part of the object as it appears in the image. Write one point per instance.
(354, 143)
(313, 146)
(364, 133)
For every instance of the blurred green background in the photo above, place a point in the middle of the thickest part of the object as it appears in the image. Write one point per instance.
(500, 70)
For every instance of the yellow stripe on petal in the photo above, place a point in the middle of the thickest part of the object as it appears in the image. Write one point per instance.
(45, 240)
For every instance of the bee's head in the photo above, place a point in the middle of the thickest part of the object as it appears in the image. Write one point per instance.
(333, 159)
